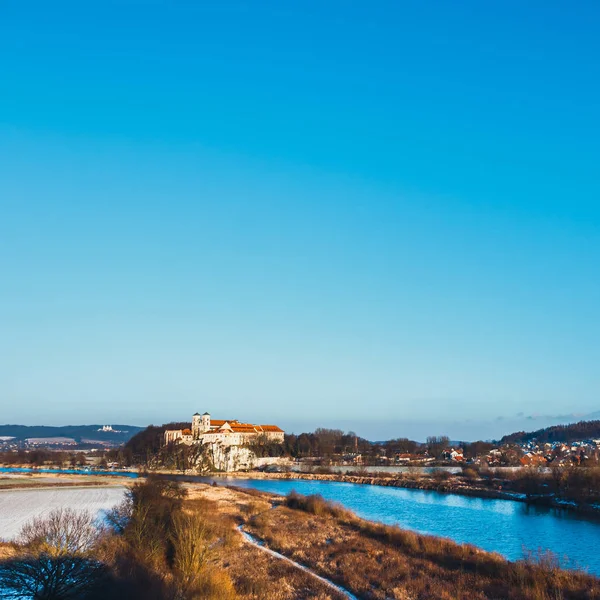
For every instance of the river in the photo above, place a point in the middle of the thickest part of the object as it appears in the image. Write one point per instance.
(509, 528)
(504, 526)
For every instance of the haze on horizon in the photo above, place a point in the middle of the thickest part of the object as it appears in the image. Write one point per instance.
(385, 218)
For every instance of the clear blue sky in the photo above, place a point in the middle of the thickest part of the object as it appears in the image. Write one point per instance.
(383, 216)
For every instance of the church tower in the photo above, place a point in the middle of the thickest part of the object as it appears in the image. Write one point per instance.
(196, 426)
(206, 422)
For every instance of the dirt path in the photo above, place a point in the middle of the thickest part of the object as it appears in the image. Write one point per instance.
(254, 542)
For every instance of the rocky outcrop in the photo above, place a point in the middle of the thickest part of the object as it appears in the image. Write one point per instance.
(215, 457)
(229, 458)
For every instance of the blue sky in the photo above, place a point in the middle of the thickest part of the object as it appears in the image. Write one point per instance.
(385, 217)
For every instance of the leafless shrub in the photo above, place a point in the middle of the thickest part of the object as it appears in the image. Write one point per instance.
(144, 537)
(470, 473)
(193, 547)
(64, 532)
(118, 517)
(54, 558)
(58, 577)
(441, 475)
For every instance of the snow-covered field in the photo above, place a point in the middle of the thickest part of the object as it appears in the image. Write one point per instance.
(17, 507)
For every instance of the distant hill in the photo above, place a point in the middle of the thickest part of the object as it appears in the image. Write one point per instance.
(584, 430)
(121, 433)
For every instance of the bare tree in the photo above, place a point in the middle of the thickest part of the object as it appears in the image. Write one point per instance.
(57, 562)
(436, 444)
(144, 536)
(118, 517)
(63, 532)
(47, 577)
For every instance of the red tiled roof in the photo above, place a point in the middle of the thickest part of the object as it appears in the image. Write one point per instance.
(243, 428)
(237, 427)
(221, 422)
(271, 428)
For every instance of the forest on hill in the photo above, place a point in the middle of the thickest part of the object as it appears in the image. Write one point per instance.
(584, 430)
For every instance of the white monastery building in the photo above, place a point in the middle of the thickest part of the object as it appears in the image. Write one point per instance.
(229, 433)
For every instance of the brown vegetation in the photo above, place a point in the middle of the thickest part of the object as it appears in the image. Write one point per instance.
(570, 484)
(162, 544)
(575, 487)
(10, 483)
(167, 542)
(378, 561)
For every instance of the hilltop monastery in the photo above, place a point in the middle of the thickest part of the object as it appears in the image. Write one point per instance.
(229, 433)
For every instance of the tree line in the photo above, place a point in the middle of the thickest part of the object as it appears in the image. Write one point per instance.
(147, 447)
(574, 432)
(41, 457)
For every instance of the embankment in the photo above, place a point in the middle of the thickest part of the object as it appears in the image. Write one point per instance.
(448, 485)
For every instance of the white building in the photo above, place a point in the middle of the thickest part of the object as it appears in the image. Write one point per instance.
(205, 430)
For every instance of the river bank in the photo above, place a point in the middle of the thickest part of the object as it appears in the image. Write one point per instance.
(376, 561)
(442, 482)
(510, 528)
(449, 485)
(259, 545)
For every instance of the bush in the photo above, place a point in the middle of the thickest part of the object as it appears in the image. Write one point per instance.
(63, 532)
(470, 473)
(192, 546)
(441, 475)
(316, 505)
(60, 577)
(57, 562)
(214, 584)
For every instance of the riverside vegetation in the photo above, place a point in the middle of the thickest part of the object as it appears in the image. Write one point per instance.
(169, 542)
(165, 542)
(572, 487)
(574, 484)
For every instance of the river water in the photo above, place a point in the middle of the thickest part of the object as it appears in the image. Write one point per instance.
(509, 528)
(504, 526)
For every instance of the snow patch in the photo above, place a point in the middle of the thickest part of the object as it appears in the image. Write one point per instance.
(18, 507)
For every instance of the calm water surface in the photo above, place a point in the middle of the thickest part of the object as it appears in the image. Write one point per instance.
(26, 470)
(510, 528)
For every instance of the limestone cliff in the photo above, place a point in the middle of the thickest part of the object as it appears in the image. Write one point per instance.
(229, 458)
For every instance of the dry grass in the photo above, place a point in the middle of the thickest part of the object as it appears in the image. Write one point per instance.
(22, 483)
(258, 576)
(378, 561)
(372, 560)
(253, 574)
(7, 550)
